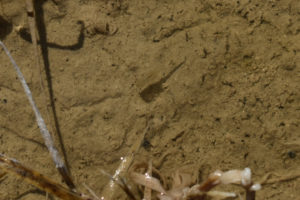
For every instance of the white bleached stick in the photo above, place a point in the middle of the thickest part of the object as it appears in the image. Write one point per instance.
(43, 129)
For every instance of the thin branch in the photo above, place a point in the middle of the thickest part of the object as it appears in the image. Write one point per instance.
(40, 121)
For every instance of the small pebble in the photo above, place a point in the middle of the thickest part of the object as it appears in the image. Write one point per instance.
(292, 154)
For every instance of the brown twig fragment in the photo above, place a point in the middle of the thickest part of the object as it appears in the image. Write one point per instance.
(37, 179)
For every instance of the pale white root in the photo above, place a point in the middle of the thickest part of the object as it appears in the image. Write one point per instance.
(181, 189)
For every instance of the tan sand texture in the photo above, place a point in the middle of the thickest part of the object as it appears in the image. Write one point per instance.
(212, 84)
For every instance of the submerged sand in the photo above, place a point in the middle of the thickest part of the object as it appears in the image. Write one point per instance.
(213, 84)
